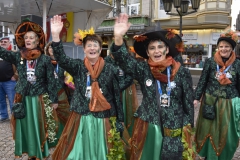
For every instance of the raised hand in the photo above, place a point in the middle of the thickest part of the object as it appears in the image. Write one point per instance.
(56, 27)
(121, 25)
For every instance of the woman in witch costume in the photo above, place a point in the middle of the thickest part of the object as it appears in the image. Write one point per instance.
(218, 129)
(33, 121)
(62, 110)
(94, 126)
(162, 128)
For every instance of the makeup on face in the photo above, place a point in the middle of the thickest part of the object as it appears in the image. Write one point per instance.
(157, 50)
(225, 49)
(31, 40)
(92, 50)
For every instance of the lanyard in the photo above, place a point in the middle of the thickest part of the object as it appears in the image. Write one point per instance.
(56, 69)
(169, 83)
(88, 80)
(224, 70)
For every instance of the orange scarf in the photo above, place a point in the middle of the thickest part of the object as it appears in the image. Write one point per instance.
(158, 67)
(223, 80)
(30, 54)
(97, 102)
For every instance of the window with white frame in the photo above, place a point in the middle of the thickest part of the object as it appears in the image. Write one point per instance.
(161, 5)
(134, 9)
(122, 10)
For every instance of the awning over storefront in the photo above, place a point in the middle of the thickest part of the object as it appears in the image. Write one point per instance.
(109, 29)
(12, 10)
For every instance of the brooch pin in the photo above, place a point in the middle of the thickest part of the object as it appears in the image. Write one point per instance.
(228, 75)
(172, 84)
(21, 61)
(149, 82)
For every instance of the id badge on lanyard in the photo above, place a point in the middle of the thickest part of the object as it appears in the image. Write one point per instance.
(88, 93)
(165, 98)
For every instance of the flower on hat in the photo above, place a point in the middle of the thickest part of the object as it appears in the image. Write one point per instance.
(84, 33)
(139, 38)
(131, 48)
(171, 33)
(81, 34)
(230, 34)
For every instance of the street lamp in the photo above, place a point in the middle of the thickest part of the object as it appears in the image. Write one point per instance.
(183, 5)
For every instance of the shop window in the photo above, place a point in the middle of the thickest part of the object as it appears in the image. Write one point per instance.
(214, 49)
(194, 55)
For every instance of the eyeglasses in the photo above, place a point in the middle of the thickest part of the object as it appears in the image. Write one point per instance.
(4, 41)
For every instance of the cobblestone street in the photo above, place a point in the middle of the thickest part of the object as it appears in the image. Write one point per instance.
(7, 143)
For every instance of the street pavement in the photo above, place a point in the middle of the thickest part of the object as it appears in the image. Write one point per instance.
(7, 143)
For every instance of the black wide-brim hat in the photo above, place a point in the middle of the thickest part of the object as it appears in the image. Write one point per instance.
(28, 26)
(229, 40)
(141, 42)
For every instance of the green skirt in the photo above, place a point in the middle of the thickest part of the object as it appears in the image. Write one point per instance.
(153, 143)
(90, 142)
(222, 132)
(29, 130)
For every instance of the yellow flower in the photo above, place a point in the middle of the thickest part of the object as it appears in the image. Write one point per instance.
(91, 31)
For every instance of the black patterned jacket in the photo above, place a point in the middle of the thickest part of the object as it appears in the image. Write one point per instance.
(45, 82)
(124, 80)
(107, 82)
(60, 73)
(178, 114)
(209, 84)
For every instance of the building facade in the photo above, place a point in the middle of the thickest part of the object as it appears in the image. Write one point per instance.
(140, 16)
(201, 29)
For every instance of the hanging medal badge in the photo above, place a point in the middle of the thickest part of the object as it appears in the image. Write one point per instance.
(218, 74)
(56, 72)
(121, 73)
(31, 71)
(165, 98)
(88, 93)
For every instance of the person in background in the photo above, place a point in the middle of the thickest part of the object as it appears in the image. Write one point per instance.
(217, 129)
(128, 92)
(62, 110)
(34, 120)
(8, 79)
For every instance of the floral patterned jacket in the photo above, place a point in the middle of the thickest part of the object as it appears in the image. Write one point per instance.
(44, 72)
(124, 80)
(209, 84)
(108, 83)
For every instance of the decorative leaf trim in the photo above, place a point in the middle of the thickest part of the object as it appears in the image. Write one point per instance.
(51, 126)
(139, 38)
(171, 33)
(117, 150)
(229, 34)
(188, 152)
